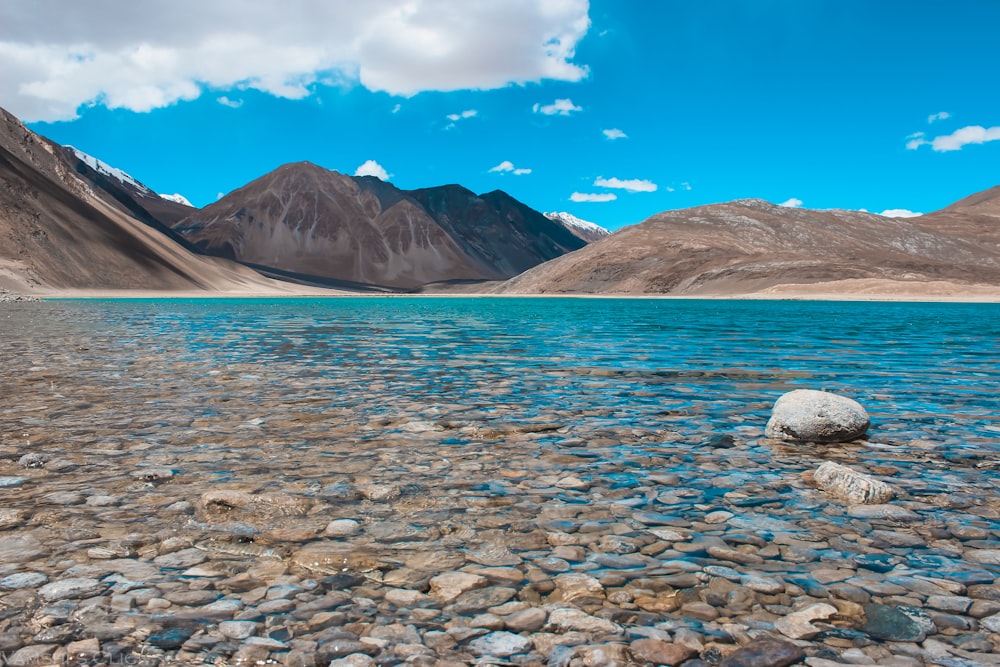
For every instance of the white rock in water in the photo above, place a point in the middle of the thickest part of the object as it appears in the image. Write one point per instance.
(807, 415)
(851, 485)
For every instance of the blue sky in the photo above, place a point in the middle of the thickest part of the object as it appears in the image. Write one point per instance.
(612, 110)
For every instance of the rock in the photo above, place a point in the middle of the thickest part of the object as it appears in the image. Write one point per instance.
(171, 638)
(579, 588)
(402, 597)
(500, 644)
(23, 580)
(342, 528)
(567, 620)
(660, 652)
(474, 602)
(882, 511)
(890, 624)
(851, 485)
(765, 652)
(20, 549)
(74, 588)
(353, 660)
(806, 415)
(381, 492)
(528, 620)
(448, 586)
(237, 629)
(798, 625)
(37, 654)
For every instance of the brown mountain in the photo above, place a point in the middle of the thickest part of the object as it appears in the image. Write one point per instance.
(751, 246)
(306, 221)
(62, 229)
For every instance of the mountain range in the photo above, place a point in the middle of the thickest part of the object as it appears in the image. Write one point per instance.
(69, 221)
(304, 220)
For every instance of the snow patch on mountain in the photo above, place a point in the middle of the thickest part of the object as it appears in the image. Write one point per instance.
(586, 230)
(106, 169)
(178, 198)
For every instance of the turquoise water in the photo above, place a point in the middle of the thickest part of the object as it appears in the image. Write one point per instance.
(922, 370)
(163, 449)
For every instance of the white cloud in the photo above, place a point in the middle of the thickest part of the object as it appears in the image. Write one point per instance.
(396, 108)
(615, 133)
(899, 213)
(559, 107)
(686, 186)
(941, 115)
(794, 202)
(142, 56)
(372, 168)
(508, 167)
(232, 104)
(632, 185)
(594, 197)
(971, 134)
(468, 113)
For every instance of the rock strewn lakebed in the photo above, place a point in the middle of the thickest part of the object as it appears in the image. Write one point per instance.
(215, 514)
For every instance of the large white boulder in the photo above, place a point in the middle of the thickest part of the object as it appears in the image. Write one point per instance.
(807, 415)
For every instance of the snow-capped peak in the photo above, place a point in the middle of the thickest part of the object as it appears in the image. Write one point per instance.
(588, 231)
(178, 198)
(106, 169)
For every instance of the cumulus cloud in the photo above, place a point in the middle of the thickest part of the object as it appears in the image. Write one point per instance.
(971, 134)
(941, 115)
(899, 213)
(593, 196)
(232, 104)
(794, 202)
(507, 166)
(615, 133)
(559, 107)
(56, 56)
(372, 168)
(468, 113)
(631, 185)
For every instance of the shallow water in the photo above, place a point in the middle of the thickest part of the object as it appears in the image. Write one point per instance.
(494, 427)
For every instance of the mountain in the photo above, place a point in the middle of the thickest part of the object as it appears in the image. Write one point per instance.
(305, 221)
(751, 246)
(583, 229)
(67, 222)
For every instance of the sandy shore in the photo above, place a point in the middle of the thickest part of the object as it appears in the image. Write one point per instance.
(844, 290)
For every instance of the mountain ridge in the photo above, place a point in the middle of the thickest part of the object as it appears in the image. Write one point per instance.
(306, 219)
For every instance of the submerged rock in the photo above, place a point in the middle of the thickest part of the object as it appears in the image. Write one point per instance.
(851, 485)
(807, 415)
(765, 652)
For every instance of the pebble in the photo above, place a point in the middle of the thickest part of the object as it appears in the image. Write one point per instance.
(500, 644)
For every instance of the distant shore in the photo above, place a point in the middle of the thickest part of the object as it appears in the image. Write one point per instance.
(845, 290)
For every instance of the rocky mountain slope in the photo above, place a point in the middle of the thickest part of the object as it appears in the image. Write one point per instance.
(306, 220)
(751, 246)
(65, 225)
(584, 229)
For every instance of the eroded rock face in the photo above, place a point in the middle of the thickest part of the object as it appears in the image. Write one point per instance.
(851, 485)
(807, 415)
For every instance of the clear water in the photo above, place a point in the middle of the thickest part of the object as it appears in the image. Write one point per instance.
(477, 411)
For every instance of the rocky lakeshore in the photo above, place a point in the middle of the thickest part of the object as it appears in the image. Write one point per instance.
(168, 509)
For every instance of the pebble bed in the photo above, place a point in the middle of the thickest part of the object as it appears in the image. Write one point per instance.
(190, 486)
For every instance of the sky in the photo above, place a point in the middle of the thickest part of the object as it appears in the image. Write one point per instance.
(612, 110)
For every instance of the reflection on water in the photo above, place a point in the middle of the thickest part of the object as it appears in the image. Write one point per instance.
(470, 433)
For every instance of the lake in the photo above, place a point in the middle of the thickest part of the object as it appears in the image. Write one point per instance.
(409, 466)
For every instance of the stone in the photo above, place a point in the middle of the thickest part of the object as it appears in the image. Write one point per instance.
(882, 511)
(500, 644)
(851, 485)
(403, 597)
(20, 549)
(807, 415)
(448, 586)
(342, 528)
(353, 660)
(891, 624)
(37, 654)
(798, 624)
(528, 620)
(660, 652)
(479, 600)
(569, 620)
(765, 651)
(579, 587)
(23, 580)
(237, 629)
(73, 588)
